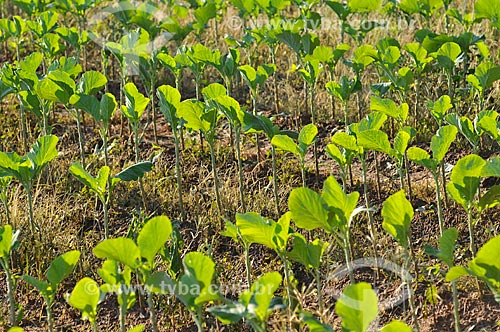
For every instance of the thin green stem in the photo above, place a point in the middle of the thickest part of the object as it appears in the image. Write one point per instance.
(317, 277)
(152, 313)
(80, 138)
(275, 180)
(248, 266)
(471, 232)
(178, 173)
(216, 179)
(105, 211)
(237, 131)
(10, 290)
(456, 306)
(50, 319)
(410, 292)
(438, 202)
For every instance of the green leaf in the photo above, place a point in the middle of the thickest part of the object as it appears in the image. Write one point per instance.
(307, 254)
(486, 265)
(358, 307)
(490, 199)
(492, 168)
(446, 246)
(85, 298)
(313, 323)
(230, 313)
(487, 121)
(448, 55)
(346, 141)
(40, 285)
(256, 229)
(61, 267)
(192, 112)
(421, 157)
(108, 107)
(135, 103)
(285, 143)
(441, 142)
(396, 326)
(84, 177)
(307, 134)
(262, 293)
(169, 100)
(309, 209)
(121, 249)
(43, 151)
(213, 91)
(440, 107)
(341, 204)
(135, 172)
(153, 237)
(198, 274)
(57, 86)
(465, 179)
(5, 241)
(397, 213)
(91, 82)
(456, 272)
(375, 140)
(401, 142)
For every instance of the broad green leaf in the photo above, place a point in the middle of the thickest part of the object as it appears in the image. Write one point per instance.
(440, 107)
(363, 6)
(446, 246)
(62, 266)
(441, 142)
(456, 272)
(43, 151)
(490, 199)
(309, 209)
(285, 143)
(153, 237)
(231, 230)
(91, 82)
(397, 213)
(307, 134)
(256, 229)
(358, 307)
(448, 55)
(198, 274)
(263, 290)
(375, 140)
(43, 287)
(492, 168)
(88, 104)
(84, 177)
(396, 326)
(421, 157)
(57, 86)
(5, 241)
(213, 91)
(346, 141)
(313, 323)
(85, 298)
(489, 9)
(135, 172)
(160, 283)
(487, 121)
(230, 313)
(334, 152)
(123, 250)
(307, 253)
(169, 99)
(192, 112)
(341, 204)
(465, 179)
(108, 107)
(401, 142)
(135, 103)
(486, 265)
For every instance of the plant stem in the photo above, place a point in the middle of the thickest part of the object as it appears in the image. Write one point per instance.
(471, 232)
(247, 265)
(410, 292)
(50, 319)
(443, 176)
(373, 233)
(198, 318)
(105, 211)
(80, 138)
(123, 313)
(178, 173)
(456, 306)
(315, 144)
(10, 290)
(254, 105)
(237, 131)
(33, 225)
(303, 171)
(275, 180)
(152, 314)
(289, 290)
(438, 202)
(216, 179)
(348, 258)
(137, 158)
(317, 276)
